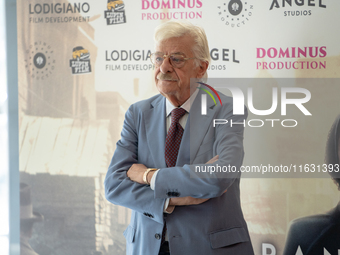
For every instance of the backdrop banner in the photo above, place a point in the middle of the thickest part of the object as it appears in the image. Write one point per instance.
(83, 63)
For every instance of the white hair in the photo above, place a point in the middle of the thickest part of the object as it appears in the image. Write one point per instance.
(173, 29)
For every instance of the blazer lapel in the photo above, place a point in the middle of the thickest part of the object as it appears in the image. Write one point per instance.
(155, 125)
(195, 129)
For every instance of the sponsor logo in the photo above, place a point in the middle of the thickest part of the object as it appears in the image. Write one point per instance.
(128, 60)
(283, 58)
(57, 12)
(115, 13)
(298, 8)
(220, 56)
(39, 61)
(171, 9)
(80, 62)
(235, 13)
(122, 60)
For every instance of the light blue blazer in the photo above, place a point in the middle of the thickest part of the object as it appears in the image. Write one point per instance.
(213, 227)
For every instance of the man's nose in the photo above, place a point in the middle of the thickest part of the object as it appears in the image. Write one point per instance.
(166, 66)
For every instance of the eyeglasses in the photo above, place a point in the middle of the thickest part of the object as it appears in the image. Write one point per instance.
(176, 60)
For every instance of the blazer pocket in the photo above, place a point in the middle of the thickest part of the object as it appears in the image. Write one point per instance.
(205, 148)
(228, 237)
(129, 234)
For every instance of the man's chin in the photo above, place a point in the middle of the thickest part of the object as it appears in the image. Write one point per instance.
(167, 85)
(167, 88)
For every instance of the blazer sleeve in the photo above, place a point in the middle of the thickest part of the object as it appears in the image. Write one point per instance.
(228, 144)
(119, 189)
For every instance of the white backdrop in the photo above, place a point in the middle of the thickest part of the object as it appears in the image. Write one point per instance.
(70, 119)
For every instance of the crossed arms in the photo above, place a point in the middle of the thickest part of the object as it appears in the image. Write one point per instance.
(136, 171)
(123, 180)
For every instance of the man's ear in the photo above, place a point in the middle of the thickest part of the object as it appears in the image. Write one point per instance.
(202, 68)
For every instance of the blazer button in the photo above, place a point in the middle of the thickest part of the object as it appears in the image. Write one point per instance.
(158, 236)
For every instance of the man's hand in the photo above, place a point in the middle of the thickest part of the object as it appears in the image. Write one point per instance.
(135, 173)
(213, 160)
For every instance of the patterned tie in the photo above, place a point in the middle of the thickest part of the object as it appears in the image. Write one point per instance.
(174, 137)
(172, 143)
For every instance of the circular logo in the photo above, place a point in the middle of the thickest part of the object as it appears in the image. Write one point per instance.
(235, 13)
(39, 60)
(235, 7)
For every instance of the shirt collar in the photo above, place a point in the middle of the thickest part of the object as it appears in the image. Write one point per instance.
(186, 106)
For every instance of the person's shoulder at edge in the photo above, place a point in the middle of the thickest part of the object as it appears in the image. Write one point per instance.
(311, 223)
(305, 229)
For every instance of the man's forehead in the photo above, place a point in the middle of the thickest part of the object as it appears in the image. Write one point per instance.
(175, 45)
(172, 53)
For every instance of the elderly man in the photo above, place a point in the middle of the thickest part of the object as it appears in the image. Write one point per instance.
(151, 169)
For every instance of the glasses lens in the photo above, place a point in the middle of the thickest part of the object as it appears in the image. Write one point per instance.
(177, 60)
(157, 59)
